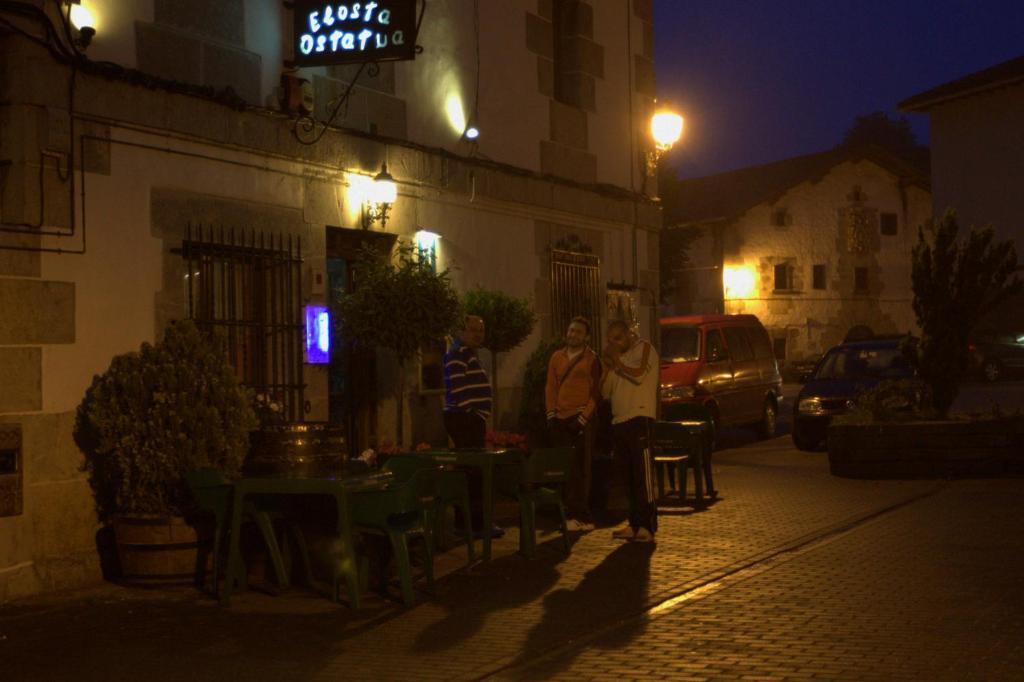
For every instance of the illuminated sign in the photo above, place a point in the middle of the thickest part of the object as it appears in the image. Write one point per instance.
(318, 335)
(354, 32)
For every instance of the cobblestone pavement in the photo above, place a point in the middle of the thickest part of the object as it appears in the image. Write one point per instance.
(757, 558)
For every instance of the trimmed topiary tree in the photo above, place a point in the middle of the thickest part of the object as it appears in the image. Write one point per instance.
(956, 282)
(398, 306)
(533, 416)
(157, 414)
(508, 321)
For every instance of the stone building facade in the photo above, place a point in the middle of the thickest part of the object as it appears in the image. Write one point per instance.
(816, 246)
(167, 131)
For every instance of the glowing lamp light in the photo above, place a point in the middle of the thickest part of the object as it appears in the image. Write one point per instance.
(456, 114)
(666, 129)
(383, 190)
(738, 282)
(318, 335)
(427, 241)
(81, 17)
(472, 132)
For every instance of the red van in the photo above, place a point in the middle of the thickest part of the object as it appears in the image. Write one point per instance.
(726, 364)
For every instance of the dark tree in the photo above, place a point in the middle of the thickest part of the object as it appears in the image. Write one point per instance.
(956, 282)
(400, 307)
(507, 323)
(892, 134)
(674, 242)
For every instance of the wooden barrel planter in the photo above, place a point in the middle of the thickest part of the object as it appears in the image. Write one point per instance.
(155, 551)
(300, 449)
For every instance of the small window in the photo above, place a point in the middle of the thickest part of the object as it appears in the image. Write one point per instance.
(759, 341)
(889, 223)
(783, 278)
(781, 218)
(716, 351)
(739, 347)
(779, 346)
(860, 280)
(819, 277)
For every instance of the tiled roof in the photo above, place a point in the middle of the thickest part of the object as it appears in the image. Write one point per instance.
(1000, 75)
(729, 195)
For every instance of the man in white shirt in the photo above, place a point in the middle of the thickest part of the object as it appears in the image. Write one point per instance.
(631, 384)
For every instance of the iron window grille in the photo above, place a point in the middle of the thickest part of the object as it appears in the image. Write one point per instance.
(576, 290)
(246, 287)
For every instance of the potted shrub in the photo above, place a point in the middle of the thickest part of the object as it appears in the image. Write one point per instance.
(152, 417)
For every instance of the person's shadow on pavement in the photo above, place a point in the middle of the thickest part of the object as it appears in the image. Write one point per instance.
(614, 589)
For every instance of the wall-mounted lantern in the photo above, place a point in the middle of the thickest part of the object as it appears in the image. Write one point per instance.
(666, 129)
(738, 282)
(380, 196)
(83, 21)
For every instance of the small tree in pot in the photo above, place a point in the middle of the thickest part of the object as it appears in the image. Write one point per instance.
(398, 306)
(152, 417)
(508, 321)
(955, 284)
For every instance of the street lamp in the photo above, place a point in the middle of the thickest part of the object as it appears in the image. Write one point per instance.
(83, 21)
(380, 196)
(666, 129)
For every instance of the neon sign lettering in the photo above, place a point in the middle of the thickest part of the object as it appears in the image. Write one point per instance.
(337, 33)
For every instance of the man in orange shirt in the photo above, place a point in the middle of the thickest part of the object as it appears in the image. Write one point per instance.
(570, 397)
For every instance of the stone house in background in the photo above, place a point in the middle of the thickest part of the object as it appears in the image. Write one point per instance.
(977, 142)
(817, 246)
(172, 155)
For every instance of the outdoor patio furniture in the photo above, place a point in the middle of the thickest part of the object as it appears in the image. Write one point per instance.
(485, 461)
(341, 489)
(537, 481)
(403, 511)
(678, 446)
(212, 492)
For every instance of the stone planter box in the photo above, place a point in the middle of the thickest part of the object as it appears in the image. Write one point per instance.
(947, 449)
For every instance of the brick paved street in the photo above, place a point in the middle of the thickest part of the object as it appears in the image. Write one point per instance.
(796, 574)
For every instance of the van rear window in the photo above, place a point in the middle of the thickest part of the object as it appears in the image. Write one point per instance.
(680, 344)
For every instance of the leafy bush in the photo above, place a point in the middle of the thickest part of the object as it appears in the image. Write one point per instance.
(891, 401)
(157, 414)
(508, 321)
(532, 413)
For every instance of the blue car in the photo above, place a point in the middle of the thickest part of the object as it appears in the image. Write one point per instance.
(840, 375)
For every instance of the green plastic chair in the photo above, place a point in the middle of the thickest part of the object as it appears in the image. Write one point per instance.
(453, 491)
(402, 511)
(213, 494)
(674, 451)
(538, 480)
(671, 455)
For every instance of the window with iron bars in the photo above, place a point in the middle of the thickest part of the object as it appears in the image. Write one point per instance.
(576, 290)
(246, 287)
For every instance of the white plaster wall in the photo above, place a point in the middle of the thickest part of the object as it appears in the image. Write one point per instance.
(811, 239)
(978, 160)
(118, 278)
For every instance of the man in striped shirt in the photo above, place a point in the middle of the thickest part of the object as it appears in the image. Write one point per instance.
(467, 405)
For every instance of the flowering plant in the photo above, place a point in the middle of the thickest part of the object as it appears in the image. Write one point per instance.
(505, 439)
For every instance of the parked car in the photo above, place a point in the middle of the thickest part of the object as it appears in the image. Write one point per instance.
(996, 355)
(726, 364)
(843, 372)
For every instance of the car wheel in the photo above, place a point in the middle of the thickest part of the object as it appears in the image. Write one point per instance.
(801, 441)
(769, 418)
(991, 370)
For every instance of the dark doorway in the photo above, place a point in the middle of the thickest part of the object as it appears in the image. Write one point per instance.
(352, 372)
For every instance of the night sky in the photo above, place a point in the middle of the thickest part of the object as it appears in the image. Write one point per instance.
(762, 80)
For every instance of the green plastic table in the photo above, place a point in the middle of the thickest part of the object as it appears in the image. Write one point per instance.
(485, 461)
(341, 489)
